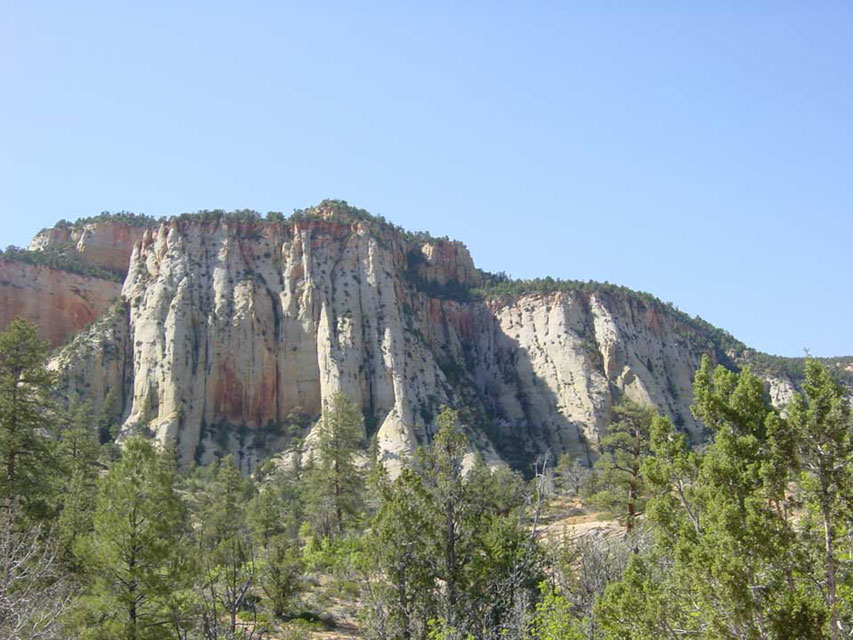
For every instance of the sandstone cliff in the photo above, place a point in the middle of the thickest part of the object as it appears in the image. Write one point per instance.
(105, 243)
(237, 330)
(230, 332)
(60, 302)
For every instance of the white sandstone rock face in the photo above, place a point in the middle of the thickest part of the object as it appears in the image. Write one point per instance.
(445, 262)
(236, 331)
(254, 325)
(781, 391)
(96, 362)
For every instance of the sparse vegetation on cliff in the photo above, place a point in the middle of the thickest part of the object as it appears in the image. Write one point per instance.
(124, 217)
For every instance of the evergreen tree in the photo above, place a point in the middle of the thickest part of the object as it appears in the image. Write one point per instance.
(27, 444)
(227, 554)
(135, 557)
(334, 482)
(445, 482)
(274, 515)
(554, 619)
(447, 554)
(618, 472)
(277, 509)
(280, 575)
(725, 562)
(402, 589)
(78, 452)
(109, 416)
(820, 426)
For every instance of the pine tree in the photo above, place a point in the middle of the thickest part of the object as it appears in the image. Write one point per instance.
(619, 479)
(334, 483)
(448, 495)
(109, 416)
(274, 515)
(27, 443)
(447, 554)
(78, 452)
(726, 561)
(398, 547)
(227, 555)
(277, 508)
(280, 575)
(135, 558)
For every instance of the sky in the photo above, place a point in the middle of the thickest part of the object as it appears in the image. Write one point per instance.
(701, 151)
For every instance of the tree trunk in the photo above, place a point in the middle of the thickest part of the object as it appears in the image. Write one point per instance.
(404, 604)
(830, 571)
(632, 501)
(451, 564)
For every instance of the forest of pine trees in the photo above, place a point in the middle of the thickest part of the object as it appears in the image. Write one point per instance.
(748, 536)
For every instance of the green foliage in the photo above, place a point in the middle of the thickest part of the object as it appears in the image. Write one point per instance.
(78, 453)
(135, 558)
(554, 618)
(240, 216)
(638, 608)
(281, 570)
(619, 483)
(571, 474)
(278, 507)
(819, 428)
(795, 368)
(227, 552)
(334, 482)
(124, 217)
(398, 547)
(440, 629)
(733, 555)
(27, 421)
(109, 417)
(447, 551)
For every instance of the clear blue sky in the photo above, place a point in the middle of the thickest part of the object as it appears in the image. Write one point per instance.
(699, 151)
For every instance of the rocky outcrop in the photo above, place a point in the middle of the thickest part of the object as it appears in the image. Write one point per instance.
(96, 365)
(107, 244)
(780, 390)
(236, 332)
(61, 303)
(552, 366)
(443, 263)
(255, 325)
